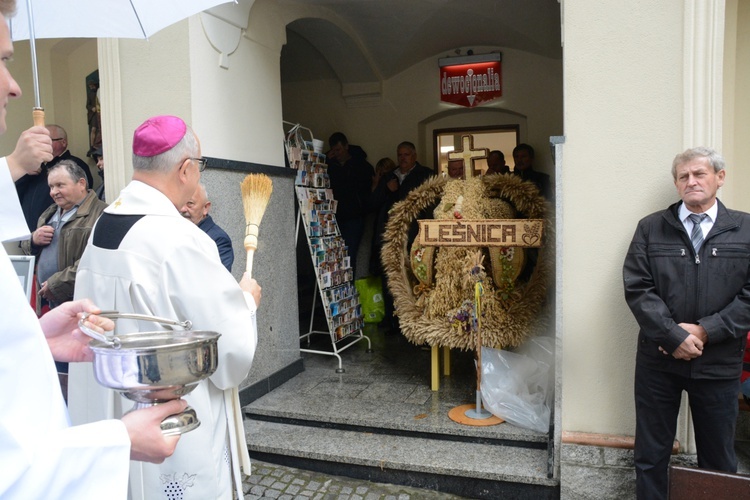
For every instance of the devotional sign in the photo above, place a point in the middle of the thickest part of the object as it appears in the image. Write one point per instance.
(481, 233)
(470, 83)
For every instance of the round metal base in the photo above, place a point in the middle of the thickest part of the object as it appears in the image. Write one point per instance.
(180, 423)
(478, 414)
(460, 414)
(176, 424)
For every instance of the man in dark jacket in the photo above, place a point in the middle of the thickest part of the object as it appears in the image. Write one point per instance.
(33, 191)
(523, 156)
(351, 179)
(687, 282)
(394, 187)
(196, 209)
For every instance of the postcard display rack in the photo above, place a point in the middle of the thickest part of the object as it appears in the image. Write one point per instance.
(335, 276)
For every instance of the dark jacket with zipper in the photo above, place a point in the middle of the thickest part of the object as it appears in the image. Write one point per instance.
(666, 283)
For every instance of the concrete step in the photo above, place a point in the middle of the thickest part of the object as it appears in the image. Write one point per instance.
(324, 402)
(469, 469)
(379, 421)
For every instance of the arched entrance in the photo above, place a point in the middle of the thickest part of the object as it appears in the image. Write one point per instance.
(337, 76)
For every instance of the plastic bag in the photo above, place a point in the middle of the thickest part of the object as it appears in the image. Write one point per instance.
(518, 386)
(370, 290)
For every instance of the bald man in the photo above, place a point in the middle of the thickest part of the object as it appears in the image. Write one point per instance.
(456, 169)
(196, 209)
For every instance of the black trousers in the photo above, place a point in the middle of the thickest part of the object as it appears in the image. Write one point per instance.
(713, 404)
(351, 231)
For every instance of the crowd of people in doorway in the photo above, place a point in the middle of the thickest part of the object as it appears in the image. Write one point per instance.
(365, 195)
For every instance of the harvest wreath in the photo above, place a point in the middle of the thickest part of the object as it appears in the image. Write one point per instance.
(429, 284)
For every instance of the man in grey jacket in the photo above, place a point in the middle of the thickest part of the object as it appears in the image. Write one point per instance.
(687, 282)
(62, 232)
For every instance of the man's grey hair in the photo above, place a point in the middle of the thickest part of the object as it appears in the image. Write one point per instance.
(203, 189)
(7, 7)
(166, 161)
(76, 172)
(407, 144)
(714, 158)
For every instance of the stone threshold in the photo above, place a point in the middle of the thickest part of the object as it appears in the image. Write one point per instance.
(606, 440)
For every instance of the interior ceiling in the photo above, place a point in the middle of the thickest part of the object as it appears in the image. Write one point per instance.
(389, 36)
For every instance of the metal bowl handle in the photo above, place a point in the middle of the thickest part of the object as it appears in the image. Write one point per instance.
(187, 324)
(114, 341)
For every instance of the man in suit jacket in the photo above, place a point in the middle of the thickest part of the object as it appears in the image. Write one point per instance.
(687, 283)
(196, 209)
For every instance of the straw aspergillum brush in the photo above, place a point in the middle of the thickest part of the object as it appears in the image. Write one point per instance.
(256, 191)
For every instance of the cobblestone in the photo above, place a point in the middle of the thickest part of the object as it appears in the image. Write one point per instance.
(279, 482)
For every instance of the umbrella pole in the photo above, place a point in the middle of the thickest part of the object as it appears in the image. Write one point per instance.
(37, 112)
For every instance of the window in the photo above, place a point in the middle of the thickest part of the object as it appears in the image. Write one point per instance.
(502, 137)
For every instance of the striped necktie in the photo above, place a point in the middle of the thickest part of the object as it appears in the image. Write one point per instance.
(696, 236)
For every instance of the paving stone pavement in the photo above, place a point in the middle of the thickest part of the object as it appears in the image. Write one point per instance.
(286, 483)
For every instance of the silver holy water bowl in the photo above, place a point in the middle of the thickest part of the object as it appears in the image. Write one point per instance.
(155, 367)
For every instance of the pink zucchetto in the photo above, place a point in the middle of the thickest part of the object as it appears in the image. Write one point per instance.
(157, 135)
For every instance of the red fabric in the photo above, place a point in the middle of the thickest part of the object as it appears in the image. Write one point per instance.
(35, 297)
(746, 361)
(33, 293)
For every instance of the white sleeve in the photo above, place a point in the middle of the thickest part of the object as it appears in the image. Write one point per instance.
(86, 461)
(41, 456)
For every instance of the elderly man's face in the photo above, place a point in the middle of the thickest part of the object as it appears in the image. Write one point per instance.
(59, 145)
(59, 142)
(196, 209)
(65, 192)
(9, 89)
(407, 158)
(697, 184)
(456, 169)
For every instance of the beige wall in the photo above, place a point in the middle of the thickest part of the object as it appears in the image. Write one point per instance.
(637, 91)
(139, 79)
(411, 107)
(623, 125)
(63, 67)
(236, 111)
(736, 121)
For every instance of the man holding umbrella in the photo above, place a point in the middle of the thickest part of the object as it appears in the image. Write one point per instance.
(41, 456)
